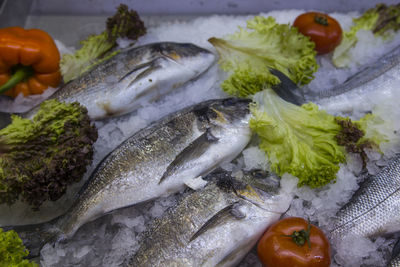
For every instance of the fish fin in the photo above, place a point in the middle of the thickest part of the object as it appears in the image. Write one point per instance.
(35, 236)
(150, 69)
(143, 70)
(196, 183)
(142, 67)
(231, 211)
(193, 151)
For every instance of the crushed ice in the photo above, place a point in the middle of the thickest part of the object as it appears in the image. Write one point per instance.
(107, 240)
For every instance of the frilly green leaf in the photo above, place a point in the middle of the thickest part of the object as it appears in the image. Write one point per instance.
(97, 48)
(250, 53)
(39, 158)
(382, 20)
(297, 140)
(12, 251)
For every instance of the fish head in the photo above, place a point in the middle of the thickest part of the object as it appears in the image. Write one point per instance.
(188, 55)
(258, 187)
(225, 112)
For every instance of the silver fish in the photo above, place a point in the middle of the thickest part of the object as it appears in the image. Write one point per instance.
(215, 226)
(374, 209)
(354, 86)
(134, 77)
(154, 162)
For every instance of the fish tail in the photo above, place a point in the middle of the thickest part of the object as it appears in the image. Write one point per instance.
(35, 236)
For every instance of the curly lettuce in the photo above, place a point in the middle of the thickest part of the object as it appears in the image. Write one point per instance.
(382, 20)
(308, 142)
(40, 157)
(299, 140)
(98, 48)
(249, 54)
(12, 251)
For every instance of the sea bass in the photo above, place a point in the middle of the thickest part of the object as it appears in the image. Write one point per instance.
(215, 226)
(134, 77)
(374, 209)
(154, 162)
(374, 79)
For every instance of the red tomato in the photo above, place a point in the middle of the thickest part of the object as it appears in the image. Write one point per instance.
(284, 245)
(322, 29)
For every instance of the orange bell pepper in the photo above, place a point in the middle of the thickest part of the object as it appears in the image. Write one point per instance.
(29, 61)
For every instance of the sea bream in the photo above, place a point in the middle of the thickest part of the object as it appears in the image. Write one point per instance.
(374, 210)
(134, 77)
(154, 162)
(215, 226)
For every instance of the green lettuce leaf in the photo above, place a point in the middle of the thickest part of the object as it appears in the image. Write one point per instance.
(249, 54)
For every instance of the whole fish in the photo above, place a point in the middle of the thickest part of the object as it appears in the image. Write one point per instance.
(364, 76)
(342, 96)
(374, 209)
(134, 77)
(154, 162)
(215, 226)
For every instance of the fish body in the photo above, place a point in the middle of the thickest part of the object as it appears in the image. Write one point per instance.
(134, 77)
(215, 226)
(154, 162)
(364, 76)
(354, 93)
(374, 209)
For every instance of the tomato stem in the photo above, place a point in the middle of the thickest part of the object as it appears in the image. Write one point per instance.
(321, 19)
(301, 237)
(20, 73)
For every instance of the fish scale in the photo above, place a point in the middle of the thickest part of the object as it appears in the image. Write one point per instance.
(375, 208)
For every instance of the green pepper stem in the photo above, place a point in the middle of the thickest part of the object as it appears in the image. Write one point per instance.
(21, 73)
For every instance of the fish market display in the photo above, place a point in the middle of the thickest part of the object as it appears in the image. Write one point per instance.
(374, 209)
(155, 162)
(215, 226)
(135, 77)
(176, 150)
